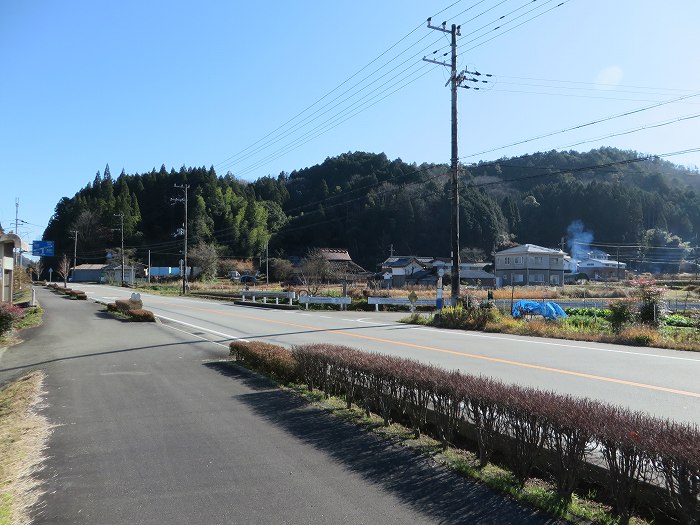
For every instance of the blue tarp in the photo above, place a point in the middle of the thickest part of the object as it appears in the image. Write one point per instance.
(547, 310)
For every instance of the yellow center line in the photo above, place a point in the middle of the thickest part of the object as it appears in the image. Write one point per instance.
(462, 354)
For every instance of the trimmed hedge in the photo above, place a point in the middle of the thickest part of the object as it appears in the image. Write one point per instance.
(533, 424)
(141, 315)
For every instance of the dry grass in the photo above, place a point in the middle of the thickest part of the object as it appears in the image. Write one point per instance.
(23, 437)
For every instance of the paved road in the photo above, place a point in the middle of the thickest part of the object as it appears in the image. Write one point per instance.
(153, 429)
(658, 381)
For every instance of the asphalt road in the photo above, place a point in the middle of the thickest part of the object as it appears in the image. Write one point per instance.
(658, 381)
(151, 428)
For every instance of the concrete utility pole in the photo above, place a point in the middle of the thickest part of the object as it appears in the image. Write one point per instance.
(121, 216)
(455, 80)
(75, 251)
(183, 187)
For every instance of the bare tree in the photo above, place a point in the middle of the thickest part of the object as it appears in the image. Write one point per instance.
(63, 269)
(316, 270)
(37, 267)
(206, 256)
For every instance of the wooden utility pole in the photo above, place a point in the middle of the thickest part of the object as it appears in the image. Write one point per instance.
(455, 81)
(183, 187)
(121, 216)
(75, 251)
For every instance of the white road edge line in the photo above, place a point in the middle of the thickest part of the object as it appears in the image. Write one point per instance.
(547, 343)
(228, 336)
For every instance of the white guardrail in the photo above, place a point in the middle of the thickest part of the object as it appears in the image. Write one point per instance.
(255, 294)
(317, 299)
(400, 301)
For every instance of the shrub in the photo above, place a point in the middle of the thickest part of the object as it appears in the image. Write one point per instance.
(141, 315)
(269, 359)
(653, 308)
(621, 313)
(571, 439)
(677, 459)
(620, 432)
(9, 313)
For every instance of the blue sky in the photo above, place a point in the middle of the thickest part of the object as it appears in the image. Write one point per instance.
(225, 83)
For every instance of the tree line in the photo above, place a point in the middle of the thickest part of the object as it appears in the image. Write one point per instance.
(372, 205)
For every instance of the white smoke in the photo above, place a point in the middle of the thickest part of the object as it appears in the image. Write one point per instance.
(579, 240)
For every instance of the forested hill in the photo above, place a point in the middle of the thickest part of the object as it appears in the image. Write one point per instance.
(367, 203)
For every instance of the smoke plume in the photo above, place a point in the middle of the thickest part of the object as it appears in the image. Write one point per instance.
(579, 240)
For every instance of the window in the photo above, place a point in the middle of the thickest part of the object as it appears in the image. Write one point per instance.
(538, 259)
(536, 277)
(518, 277)
(518, 260)
(554, 260)
(554, 279)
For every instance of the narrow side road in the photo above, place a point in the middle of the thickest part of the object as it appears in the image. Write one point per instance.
(152, 428)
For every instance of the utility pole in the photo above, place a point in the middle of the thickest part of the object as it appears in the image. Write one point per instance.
(75, 251)
(121, 216)
(183, 187)
(149, 266)
(455, 80)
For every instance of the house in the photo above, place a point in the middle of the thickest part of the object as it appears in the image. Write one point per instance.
(89, 273)
(340, 262)
(401, 268)
(473, 274)
(8, 243)
(529, 264)
(602, 269)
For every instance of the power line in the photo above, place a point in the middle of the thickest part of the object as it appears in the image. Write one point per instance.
(586, 124)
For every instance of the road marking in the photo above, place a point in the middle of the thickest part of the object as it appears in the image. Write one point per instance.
(465, 354)
(325, 317)
(476, 356)
(197, 336)
(549, 343)
(227, 336)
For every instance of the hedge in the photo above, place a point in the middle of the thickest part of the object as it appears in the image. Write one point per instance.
(141, 315)
(569, 432)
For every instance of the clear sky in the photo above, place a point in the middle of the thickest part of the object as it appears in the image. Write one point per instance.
(227, 83)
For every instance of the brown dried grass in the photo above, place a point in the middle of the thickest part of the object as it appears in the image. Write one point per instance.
(24, 433)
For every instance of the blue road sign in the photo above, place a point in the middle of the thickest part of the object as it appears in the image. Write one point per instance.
(42, 248)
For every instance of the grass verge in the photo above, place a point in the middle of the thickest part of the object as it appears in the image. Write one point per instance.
(23, 437)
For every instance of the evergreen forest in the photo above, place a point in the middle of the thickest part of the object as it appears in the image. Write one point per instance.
(370, 205)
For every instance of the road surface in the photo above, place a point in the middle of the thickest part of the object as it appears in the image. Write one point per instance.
(658, 381)
(151, 428)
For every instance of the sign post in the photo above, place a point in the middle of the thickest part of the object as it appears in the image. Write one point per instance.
(50, 275)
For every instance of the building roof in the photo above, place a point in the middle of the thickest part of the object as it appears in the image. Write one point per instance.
(335, 254)
(476, 274)
(530, 248)
(15, 239)
(92, 266)
(399, 261)
(606, 263)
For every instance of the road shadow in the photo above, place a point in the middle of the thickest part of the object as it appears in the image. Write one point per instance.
(432, 490)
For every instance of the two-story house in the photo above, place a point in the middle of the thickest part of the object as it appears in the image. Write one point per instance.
(529, 264)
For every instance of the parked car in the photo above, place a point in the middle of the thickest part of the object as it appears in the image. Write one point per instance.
(248, 279)
(234, 275)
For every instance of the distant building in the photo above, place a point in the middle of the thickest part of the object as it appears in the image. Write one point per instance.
(8, 243)
(602, 269)
(529, 264)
